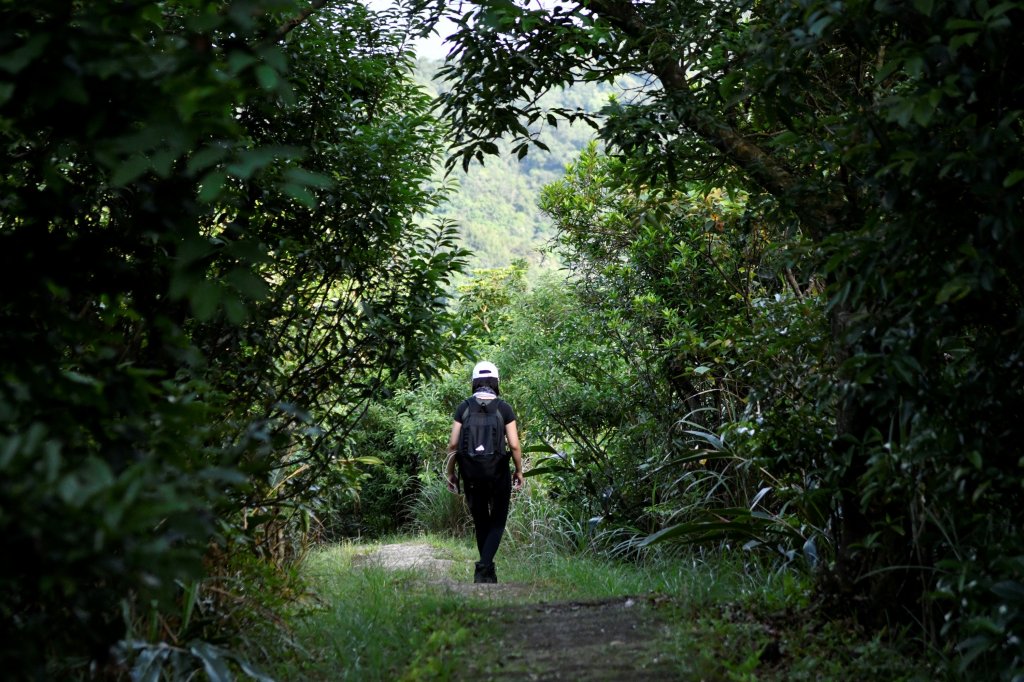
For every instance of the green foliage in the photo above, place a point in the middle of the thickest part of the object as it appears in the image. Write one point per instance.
(361, 279)
(571, 393)
(879, 146)
(495, 205)
(486, 302)
(694, 297)
(241, 596)
(211, 234)
(407, 431)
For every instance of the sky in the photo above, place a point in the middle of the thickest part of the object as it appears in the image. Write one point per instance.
(432, 47)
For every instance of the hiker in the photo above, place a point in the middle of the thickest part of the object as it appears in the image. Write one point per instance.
(483, 423)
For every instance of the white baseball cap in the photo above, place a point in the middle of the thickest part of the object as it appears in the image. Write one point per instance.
(485, 369)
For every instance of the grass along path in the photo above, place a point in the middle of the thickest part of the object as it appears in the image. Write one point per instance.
(408, 610)
(596, 640)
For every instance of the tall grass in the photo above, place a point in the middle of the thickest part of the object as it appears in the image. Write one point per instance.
(540, 526)
(436, 511)
(368, 622)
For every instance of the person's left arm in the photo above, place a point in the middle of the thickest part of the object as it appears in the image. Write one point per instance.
(512, 437)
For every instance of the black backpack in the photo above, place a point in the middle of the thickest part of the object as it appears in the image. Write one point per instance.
(481, 451)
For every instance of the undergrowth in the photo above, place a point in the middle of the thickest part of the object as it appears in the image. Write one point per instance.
(364, 619)
(726, 615)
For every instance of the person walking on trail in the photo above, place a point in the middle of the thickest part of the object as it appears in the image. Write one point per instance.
(482, 425)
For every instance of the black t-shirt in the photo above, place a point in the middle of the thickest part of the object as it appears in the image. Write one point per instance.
(507, 413)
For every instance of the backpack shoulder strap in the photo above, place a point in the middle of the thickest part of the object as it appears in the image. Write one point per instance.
(471, 403)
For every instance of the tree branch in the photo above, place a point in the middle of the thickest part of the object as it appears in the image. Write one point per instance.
(818, 217)
(287, 26)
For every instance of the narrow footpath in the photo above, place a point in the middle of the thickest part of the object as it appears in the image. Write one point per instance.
(611, 639)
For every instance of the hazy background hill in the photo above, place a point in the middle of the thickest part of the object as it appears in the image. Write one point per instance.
(495, 205)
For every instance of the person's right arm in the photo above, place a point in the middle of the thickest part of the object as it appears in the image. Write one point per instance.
(453, 444)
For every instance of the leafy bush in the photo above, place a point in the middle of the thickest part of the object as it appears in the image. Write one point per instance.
(210, 229)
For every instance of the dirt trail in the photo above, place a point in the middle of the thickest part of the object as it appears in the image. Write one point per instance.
(433, 570)
(614, 639)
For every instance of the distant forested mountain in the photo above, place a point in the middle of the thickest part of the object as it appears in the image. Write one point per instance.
(495, 205)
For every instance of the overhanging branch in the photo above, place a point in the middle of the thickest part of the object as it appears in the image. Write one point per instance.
(818, 217)
(287, 26)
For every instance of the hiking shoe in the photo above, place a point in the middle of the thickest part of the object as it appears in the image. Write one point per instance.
(480, 574)
(491, 576)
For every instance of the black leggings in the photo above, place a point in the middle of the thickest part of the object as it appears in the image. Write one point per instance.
(488, 503)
